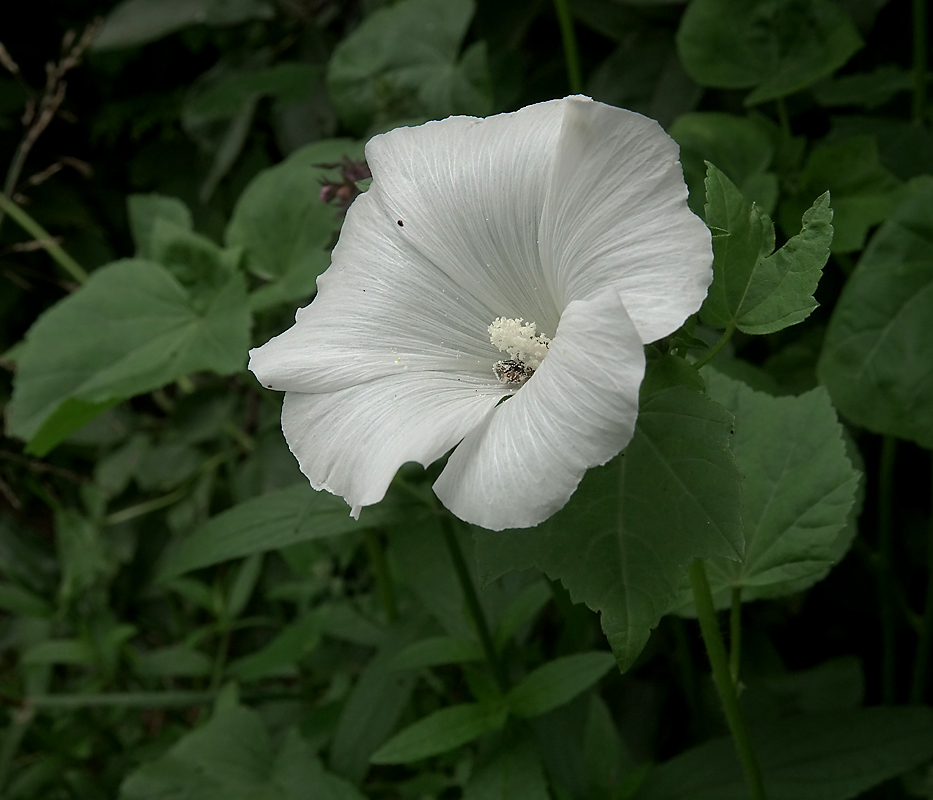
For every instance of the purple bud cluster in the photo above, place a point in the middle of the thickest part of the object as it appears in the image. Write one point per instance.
(344, 191)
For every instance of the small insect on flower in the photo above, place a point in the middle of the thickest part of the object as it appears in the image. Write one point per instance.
(529, 255)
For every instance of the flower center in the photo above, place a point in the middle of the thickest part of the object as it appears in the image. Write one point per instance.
(525, 346)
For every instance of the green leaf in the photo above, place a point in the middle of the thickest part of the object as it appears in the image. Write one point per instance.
(625, 539)
(372, 710)
(265, 523)
(778, 47)
(59, 651)
(522, 610)
(606, 758)
(877, 353)
(290, 645)
(753, 289)
(439, 732)
(69, 417)
(833, 756)
(130, 329)
(135, 22)
(863, 191)
(299, 772)
(283, 225)
(798, 488)
(557, 682)
(178, 662)
(435, 651)
(402, 61)
(513, 773)
(738, 146)
(144, 210)
(866, 89)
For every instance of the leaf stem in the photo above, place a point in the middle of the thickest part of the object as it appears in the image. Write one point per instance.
(922, 659)
(886, 557)
(34, 229)
(176, 699)
(710, 354)
(735, 634)
(716, 651)
(783, 119)
(381, 571)
(920, 59)
(571, 53)
(472, 601)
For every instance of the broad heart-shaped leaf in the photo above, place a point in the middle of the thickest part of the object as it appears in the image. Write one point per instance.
(402, 61)
(283, 224)
(625, 539)
(833, 756)
(557, 682)
(130, 329)
(798, 487)
(269, 522)
(439, 732)
(863, 191)
(144, 210)
(877, 355)
(778, 47)
(753, 289)
(738, 146)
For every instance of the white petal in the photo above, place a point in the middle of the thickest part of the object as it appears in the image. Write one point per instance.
(353, 441)
(577, 411)
(382, 309)
(470, 193)
(617, 215)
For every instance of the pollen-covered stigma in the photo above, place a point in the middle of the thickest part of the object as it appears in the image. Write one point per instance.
(525, 346)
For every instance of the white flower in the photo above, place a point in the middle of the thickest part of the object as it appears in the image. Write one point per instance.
(527, 256)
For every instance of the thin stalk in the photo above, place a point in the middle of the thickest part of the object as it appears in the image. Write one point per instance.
(688, 677)
(34, 229)
(735, 634)
(146, 507)
(886, 585)
(920, 59)
(177, 699)
(925, 643)
(571, 53)
(220, 658)
(377, 559)
(20, 719)
(716, 651)
(472, 601)
(710, 354)
(783, 118)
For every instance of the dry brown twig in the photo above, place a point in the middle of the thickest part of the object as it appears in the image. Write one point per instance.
(40, 113)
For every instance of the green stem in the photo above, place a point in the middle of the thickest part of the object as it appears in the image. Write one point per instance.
(735, 634)
(710, 354)
(920, 59)
(922, 659)
(19, 722)
(178, 699)
(39, 233)
(147, 507)
(381, 570)
(571, 54)
(472, 601)
(783, 119)
(716, 651)
(886, 576)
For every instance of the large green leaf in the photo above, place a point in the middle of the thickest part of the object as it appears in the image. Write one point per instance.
(798, 488)
(439, 732)
(779, 47)
(863, 191)
(131, 329)
(738, 147)
(402, 61)
(877, 355)
(833, 756)
(135, 22)
(625, 539)
(753, 289)
(283, 224)
(275, 520)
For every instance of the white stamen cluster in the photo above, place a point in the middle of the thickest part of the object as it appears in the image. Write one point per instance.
(523, 343)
